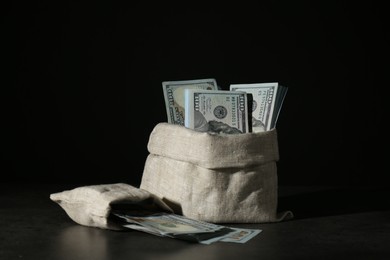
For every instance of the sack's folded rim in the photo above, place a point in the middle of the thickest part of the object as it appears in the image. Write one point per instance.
(213, 151)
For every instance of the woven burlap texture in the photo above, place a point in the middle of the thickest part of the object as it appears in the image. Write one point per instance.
(91, 205)
(218, 178)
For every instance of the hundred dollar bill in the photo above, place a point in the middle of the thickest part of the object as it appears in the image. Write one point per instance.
(263, 104)
(174, 96)
(217, 111)
(170, 224)
(239, 235)
(175, 226)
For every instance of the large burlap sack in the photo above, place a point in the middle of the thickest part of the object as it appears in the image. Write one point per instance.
(219, 178)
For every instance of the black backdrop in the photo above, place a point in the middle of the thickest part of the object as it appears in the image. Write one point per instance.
(82, 84)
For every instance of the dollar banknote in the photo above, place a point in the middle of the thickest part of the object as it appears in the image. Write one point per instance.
(174, 96)
(266, 103)
(239, 235)
(180, 227)
(217, 111)
(168, 224)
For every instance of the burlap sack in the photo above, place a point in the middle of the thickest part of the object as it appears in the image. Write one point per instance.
(91, 205)
(215, 178)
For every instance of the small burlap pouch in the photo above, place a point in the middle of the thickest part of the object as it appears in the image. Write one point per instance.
(219, 178)
(92, 205)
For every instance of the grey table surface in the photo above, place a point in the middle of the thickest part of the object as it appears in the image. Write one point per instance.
(329, 223)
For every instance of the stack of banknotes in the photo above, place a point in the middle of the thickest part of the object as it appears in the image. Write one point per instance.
(179, 227)
(202, 105)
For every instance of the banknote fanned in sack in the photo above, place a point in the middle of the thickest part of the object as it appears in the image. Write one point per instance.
(201, 105)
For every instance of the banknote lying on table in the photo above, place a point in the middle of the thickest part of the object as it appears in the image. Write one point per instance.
(179, 227)
(203, 106)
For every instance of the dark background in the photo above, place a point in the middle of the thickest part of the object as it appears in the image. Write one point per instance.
(82, 90)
